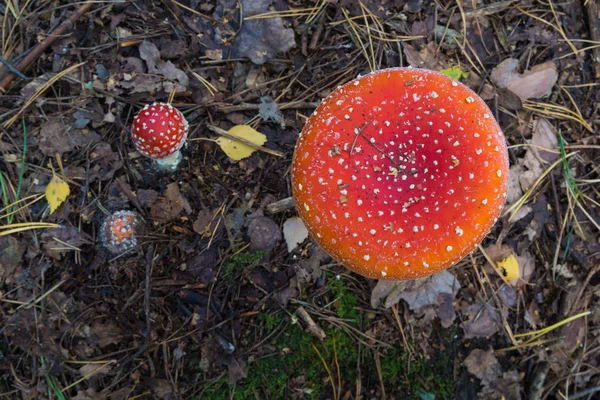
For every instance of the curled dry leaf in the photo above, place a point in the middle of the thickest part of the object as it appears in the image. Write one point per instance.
(496, 384)
(269, 110)
(150, 53)
(261, 39)
(535, 83)
(484, 365)
(294, 232)
(170, 206)
(436, 291)
(536, 159)
(417, 293)
(308, 271)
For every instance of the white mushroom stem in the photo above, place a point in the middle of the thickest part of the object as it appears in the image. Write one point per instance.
(169, 163)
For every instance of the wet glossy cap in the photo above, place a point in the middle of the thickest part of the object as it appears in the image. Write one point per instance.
(159, 130)
(400, 173)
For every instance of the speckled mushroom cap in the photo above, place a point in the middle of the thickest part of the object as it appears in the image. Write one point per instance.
(118, 231)
(400, 173)
(159, 130)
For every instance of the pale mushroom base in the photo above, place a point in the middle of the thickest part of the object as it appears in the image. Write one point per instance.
(170, 162)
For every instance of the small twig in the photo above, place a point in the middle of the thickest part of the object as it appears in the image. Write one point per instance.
(251, 106)
(148, 288)
(281, 205)
(13, 69)
(311, 325)
(40, 48)
(247, 142)
(592, 12)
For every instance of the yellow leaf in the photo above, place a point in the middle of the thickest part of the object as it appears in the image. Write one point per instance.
(510, 267)
(237, 150)
(57, 192)
(454, 73)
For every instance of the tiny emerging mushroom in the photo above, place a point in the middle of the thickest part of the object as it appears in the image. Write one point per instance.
(159, 131)
(118, 231)
(400, 173)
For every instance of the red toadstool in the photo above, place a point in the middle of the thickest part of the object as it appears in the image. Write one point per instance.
(118, 232)
(159, 131)
(400, 173)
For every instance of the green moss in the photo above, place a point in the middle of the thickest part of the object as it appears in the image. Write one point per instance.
(419, 377)
(270, 320)
(241, 260)
(345, 301)
(292, 363)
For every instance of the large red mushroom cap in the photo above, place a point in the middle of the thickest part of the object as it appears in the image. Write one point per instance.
(400, 173)
(159, 131)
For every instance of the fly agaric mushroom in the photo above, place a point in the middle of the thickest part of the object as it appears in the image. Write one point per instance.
(400, 173)
(159, 131)
(118, 232)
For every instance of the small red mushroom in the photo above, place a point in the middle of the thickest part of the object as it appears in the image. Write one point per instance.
(118, 232)
(159, 131)
(400, 173)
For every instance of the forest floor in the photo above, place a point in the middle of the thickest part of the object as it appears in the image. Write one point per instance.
(217, 301)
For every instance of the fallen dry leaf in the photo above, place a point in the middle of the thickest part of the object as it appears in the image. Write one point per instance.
(11, 251)
(484, 365)
(434, 292)
(526, 268)
(237, 150)
(496, 384)
(294, 232)
(428, 57)
(514, 184)
(485, 321)
(94, 369)
(57, 192)
(206, 222)
(160, 388)
(170, 206)
(104, 163)
(269, 110)
(150, 53)
(537, 160)
(308, 271)
(58, 136)
(103, 333)
(261, 39)
(535, 83)
(237, 370)
(510, 267)
(63, 239)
